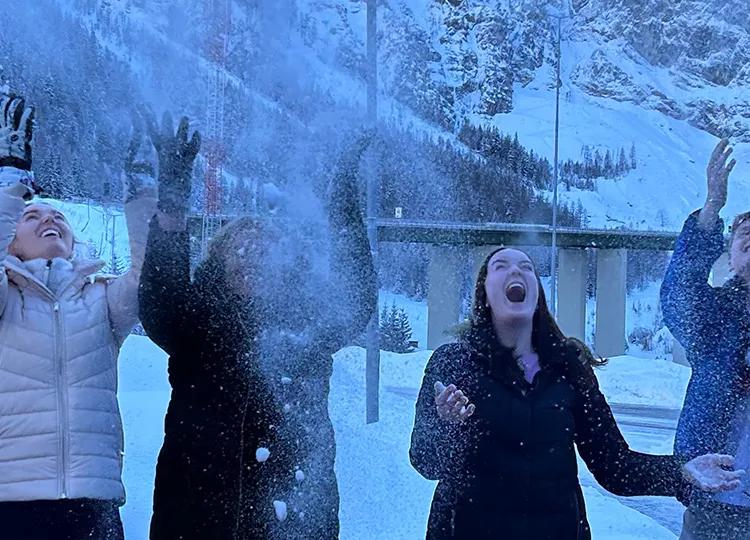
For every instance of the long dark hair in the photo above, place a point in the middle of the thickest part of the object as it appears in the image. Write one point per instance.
(547, 339)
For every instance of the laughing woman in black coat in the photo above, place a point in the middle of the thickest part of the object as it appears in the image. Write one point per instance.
(249, 446)
(500, 437)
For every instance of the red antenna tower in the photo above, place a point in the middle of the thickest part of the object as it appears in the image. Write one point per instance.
(218, 17)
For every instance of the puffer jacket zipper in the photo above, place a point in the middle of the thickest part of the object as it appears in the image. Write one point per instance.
(62, 394)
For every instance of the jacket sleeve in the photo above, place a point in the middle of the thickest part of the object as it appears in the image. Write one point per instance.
(686, 296)
(11, 209)
(436, 444)
(165, 291)
(352, 289)
(122, 292)
(615, 466)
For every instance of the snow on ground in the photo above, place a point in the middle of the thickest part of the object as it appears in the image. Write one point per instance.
(144, 394)
(382, 497)
(611, 520)
(644, 381)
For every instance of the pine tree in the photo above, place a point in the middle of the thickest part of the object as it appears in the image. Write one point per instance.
(608, 168)
(588, 162)
(622, 163)
(597, 164)
(633, 160)
(395, 330)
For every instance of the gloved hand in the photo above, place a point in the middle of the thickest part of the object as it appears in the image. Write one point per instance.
(16, 130)
(176, 156)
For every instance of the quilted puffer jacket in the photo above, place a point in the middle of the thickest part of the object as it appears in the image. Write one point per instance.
(61, 328)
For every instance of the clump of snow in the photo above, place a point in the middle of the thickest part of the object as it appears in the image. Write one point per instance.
(300, 476)
(280, 508)
(286, 380)
(262, 454)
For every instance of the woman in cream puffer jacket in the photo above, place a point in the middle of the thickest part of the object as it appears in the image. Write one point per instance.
(61, 327)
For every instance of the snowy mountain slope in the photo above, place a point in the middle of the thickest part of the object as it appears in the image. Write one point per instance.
(647, 72)
(669, 181)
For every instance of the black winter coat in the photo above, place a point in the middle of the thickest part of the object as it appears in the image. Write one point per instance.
(229, 398)
(510, 470)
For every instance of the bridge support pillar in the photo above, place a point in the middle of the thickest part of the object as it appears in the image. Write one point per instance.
(571, 292)
(611, 275)
(444, 294)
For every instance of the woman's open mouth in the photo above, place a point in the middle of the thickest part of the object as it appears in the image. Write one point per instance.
(516, 292)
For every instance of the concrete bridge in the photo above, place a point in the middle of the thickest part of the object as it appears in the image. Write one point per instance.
(447, 270)
(447, 267)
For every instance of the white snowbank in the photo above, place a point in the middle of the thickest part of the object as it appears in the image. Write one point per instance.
(644, 381)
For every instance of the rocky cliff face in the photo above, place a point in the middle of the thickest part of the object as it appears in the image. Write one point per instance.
(444, 59)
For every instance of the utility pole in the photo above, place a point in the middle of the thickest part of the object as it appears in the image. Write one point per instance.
(564, 14)
(372, 368)
(553, 256)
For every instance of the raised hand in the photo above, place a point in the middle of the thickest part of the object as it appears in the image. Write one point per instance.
(717, 174)
(451, 403)
(16, 131)
(713, 473)
(176, 156)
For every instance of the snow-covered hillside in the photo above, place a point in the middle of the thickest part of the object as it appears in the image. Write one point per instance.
(639, 72)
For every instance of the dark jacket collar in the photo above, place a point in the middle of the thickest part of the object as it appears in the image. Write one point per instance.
(497, 362)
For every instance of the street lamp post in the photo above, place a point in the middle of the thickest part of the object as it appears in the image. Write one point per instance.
(553, 256)
(372, 363)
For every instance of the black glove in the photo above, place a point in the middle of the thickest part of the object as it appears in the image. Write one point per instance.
(16, 127)
(176, 156)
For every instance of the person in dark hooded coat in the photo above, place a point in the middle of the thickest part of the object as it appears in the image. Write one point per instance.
(249, 446)
(501, 411)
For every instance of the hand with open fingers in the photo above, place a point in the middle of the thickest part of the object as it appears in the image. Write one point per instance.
(713, 473)
(717, 174)
(176, 154)
(16, 131)
(452, 405)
